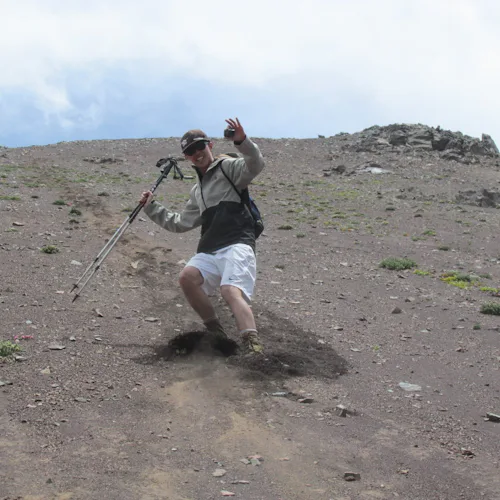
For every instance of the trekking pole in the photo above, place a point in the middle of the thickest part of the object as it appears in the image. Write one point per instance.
(166, 164)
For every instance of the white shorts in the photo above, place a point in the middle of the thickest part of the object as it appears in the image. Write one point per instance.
(233, 265)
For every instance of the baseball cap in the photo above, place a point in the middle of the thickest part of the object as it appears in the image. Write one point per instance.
(191, 137)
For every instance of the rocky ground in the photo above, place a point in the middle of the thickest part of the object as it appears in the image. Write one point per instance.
(377, 383)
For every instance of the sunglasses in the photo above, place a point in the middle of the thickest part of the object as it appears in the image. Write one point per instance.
(197, 146)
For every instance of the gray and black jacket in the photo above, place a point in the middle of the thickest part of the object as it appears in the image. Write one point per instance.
(215, 205)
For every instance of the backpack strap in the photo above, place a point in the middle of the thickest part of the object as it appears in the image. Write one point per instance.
(240, 194)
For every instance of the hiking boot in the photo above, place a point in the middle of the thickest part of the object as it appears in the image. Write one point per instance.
(252, 342)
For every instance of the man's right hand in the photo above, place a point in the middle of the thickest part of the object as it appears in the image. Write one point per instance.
(146, 198)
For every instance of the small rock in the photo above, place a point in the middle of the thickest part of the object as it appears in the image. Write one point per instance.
(397, 310)
(279, 394)
(18, 223)
(56, 347)
(81, 400)
(306, 400)
(245, 461)
(151, 319)
(240, 481)
(219, 472)
(341, 411)
(45, 371)
(409, 387)
(352, 476)
(99, 313)
(72, 338)
(492, 417)
(5, 382)
(75, 263)
(226, 493)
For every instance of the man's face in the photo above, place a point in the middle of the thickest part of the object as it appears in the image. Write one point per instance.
(200, 154)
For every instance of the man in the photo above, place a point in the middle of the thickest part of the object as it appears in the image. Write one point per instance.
(225, 255)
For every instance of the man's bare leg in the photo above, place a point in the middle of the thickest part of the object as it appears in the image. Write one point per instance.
(191, 281)
(243, 315)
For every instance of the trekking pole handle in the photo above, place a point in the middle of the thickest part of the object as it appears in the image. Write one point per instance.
(169, 163)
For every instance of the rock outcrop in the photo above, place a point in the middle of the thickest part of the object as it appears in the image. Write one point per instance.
(450, 145)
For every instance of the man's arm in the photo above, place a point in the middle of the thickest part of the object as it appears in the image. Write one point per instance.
(176, 222)
(243, 170)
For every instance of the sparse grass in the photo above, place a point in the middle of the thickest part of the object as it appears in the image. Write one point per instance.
(429, 232)
(280, 266)
(7, 348)
(6, 197)
(419, 272)
(458, 279)
(489, 289)
(491, 308)
(300, 235)
(75, 211)
(397, 264)
(444, 248)
(59, 203)
(49, 249)
(314, 183)
(338, 215)
(485, 276)
(285, 227)
(477, 326)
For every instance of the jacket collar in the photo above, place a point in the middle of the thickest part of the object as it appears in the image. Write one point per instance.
(212, 165)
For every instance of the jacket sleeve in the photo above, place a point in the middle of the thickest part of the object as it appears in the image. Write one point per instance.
(243, 170)
(177, 222)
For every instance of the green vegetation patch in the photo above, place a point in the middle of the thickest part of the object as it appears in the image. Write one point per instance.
(49, 249)
(491, 308)
(459, 279)
(7, 348)
(419, 272)
(398, 264)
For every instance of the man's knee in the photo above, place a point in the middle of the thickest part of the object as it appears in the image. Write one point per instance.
(190, 276)
(230, 293)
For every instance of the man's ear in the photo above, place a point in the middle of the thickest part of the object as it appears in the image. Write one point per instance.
(210, 144)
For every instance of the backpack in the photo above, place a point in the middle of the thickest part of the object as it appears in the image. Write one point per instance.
(250, 203)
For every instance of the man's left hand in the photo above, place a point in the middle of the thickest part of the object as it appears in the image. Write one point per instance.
(239, 133)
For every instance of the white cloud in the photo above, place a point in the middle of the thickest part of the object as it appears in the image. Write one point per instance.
(428, 61)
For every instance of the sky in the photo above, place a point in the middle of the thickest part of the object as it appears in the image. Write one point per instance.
(115, 69)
